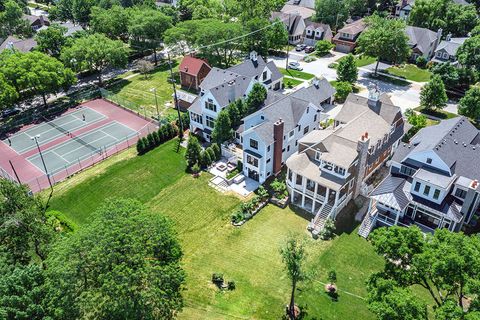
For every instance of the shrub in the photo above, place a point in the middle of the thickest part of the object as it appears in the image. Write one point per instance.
(332, 276)
(279, 188)
(343, 90)
(262, 193)
(156, 138)
(323, 47)
(238, 216)
(140, 146)
(217, 151)
(59, 221)
(211, 153)
(150, 141)
(232, 174)
(308, 59)
(161, 135)
(205, 159)
(421, 62)
(217, 278)
(231, 285)
(195, 168)
(239, 166)
(289, 83)
(328, 230)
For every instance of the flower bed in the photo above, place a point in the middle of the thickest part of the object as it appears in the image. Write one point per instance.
(250, 208)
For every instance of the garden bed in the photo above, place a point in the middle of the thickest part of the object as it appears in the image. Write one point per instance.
(281, 203)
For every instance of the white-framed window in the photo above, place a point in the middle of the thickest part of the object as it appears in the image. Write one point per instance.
(339, 170)
(209, 122)
(445, 55)
(254, 144)
(318, 154)
(196, 118)
(209, 105)
(252, 161)
(291, 134)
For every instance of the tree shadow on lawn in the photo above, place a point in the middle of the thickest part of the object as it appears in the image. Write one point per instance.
(117, 86)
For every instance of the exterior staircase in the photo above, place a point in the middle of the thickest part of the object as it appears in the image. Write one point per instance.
(318, 223)
(367, 225)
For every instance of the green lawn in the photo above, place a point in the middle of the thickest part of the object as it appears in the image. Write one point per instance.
(136, 89)
(360, 61)
(440, 114)
(249, 255)
(410, 72)
(290, 82)
(296, 74)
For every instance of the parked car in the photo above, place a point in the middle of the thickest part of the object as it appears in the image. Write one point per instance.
(309, 49)
(10, 112)
(300, 47)
(294, 66)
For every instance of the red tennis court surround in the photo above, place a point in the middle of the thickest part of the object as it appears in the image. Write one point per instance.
(71, 142)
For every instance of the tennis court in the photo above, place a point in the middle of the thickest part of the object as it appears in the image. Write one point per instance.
(69, 143)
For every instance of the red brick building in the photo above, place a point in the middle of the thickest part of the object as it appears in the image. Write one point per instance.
(192, 72)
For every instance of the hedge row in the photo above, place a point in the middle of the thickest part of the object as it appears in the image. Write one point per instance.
(210, 155)
(156, 138)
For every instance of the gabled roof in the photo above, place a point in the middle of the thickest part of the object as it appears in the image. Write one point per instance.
(216, 77)
(317, 25)
(319, 91)
(455, 141)
(192, 65)
(355, 105)
(393, 191)
(451, 46)
(420, 38)
(353, 28)
(22, 45)
(71, 28)
(254, 68)
(303, 12)
(227, 92)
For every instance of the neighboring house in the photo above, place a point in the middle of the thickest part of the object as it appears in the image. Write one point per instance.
(346, 38)
(447, 50)
(433, 181)
(36, 22)
(271, 134)
(404, 7)
(422, 41)
(317, 31)
(222, 87)
(184, 99)
(192, 72)
(22, 45)
(332, 165)
(71, 28)
(296, 19)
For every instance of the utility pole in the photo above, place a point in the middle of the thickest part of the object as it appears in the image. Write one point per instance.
(175, 100)
(43, 160)
(288, 40)
(156, 104)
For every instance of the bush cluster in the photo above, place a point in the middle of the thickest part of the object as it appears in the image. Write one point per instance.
(156, 138)
(210, 155)
(246, 209)
(279, 188)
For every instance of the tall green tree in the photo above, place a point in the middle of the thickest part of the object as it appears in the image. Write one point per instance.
(332, 12)
(255, 98)
(147, 27)
(453, 18)
(469, 105)
(95, 53)
(277, 35)
(124, 265)
(433, 95)
(347, 70)
(222, 130)
(24, 232)
(444, 264)
(52, 39)
(111, 22)
(258, 41)
(22, 292)
(12, 22)
(293, 256)
(8, 94)
(253, 9)
(469, 53)
(384, 39)
(194, 149)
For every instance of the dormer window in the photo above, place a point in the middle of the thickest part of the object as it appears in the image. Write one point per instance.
(318, 154)
(209, 105)
(264, 75)
(429, 160)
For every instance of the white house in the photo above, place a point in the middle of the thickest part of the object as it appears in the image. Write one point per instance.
(271, 134)
(222, 87)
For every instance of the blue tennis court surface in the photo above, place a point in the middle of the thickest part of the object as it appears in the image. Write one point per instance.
(49, 131)
(81, 147)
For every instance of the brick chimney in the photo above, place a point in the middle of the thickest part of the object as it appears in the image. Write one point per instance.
(277, 146)
(362, 149)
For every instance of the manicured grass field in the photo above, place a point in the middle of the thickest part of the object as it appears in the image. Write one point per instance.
(136, 88)
(296, 74)
(440, 114)
(249, 255)
(290, 82)
(360, 61)
(410, 72)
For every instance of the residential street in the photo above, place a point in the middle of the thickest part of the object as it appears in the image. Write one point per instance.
(403, 96)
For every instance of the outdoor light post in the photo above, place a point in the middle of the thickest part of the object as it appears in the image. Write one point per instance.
(43, 160)
(175, 99)
(154, 90)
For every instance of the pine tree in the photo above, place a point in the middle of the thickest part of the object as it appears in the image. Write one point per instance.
(192, 155)
(140, 146)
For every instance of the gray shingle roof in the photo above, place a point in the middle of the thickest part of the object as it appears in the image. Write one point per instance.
(22, 45)
(421, 38)
(393, 191)
(317, 93)
(230, 91)
(451, 46)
